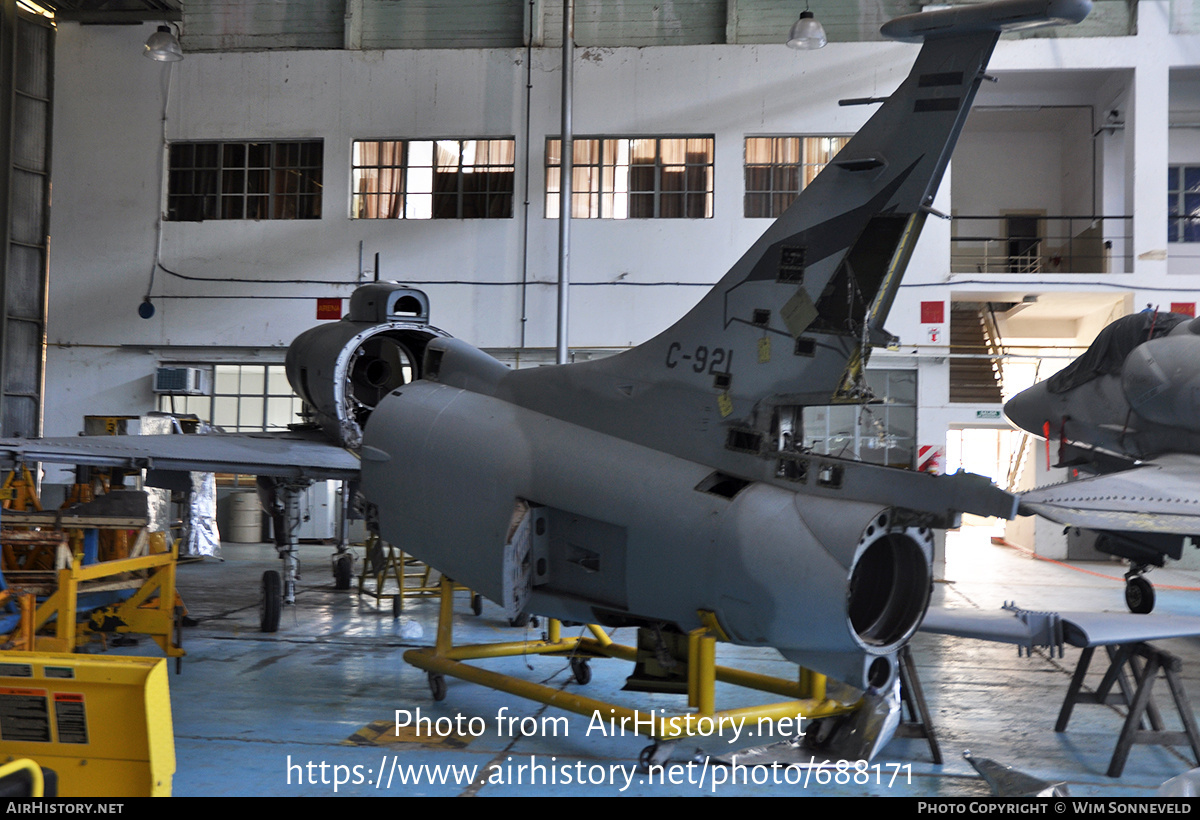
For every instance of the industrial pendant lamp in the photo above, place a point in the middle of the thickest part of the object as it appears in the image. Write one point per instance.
(806, 32)
(162, 46)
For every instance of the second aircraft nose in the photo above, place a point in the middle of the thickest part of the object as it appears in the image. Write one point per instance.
(1030, 409)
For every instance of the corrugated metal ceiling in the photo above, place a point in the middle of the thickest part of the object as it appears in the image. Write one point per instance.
(251, 25)
(113, 11)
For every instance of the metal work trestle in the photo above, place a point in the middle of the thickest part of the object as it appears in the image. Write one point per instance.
(1144, 662)
(920, 721)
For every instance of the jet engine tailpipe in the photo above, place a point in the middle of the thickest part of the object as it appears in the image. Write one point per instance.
(889, 589)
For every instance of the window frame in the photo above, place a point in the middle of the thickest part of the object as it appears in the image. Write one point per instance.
(412, 204)
(883, 432)
(280, 187)
(608, 169)
(1181, 226)
(274, 389)
(778, 198)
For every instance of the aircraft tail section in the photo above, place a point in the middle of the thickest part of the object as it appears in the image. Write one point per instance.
(793, 320)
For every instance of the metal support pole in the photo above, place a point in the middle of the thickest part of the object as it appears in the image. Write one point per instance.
(445, 628)
(566, 171)
(290, 546)
(706, 674)
(344, 519)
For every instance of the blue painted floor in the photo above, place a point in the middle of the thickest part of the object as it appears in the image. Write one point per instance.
(259, 714)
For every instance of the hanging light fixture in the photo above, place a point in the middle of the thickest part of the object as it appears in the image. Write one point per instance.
(806, 32)
(163, 46)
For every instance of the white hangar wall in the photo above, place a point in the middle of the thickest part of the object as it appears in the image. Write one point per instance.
(108, 192)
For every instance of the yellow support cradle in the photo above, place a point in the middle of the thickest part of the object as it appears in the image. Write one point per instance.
(807, 692)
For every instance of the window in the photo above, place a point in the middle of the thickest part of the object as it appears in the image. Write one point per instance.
(244, 180)
(433, 179)
(634, 177)
(879, 433)
(778, 169)
(246, 397)
(1183, 203)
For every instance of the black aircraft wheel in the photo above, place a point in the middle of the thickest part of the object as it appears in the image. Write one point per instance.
(437, 686)
(272, 601)
(343, 570)
(645, 756)
(581, 670)
(477, 604)
(397, 604)
(1139, 595)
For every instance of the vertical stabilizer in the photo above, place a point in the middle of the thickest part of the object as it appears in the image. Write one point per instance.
(793, 320)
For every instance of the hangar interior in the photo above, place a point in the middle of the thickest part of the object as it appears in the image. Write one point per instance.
(303, 147)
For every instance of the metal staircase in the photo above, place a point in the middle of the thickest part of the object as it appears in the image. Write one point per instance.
(975, 369)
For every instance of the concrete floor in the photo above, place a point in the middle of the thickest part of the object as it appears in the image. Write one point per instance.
(252, 711)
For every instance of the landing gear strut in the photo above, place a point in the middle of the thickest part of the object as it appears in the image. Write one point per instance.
(281, 498)
(343, 559)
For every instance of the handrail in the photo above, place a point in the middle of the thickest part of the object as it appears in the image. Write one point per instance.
(1064, 244)
(995, 345)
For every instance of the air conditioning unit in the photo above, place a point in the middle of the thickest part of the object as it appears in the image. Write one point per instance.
(186, 381)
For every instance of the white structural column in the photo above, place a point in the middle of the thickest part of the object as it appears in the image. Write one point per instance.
(1146, 143)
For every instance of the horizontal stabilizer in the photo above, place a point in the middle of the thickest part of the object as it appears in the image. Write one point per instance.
(1160, 496)
(1008, 15)
(1081, 629)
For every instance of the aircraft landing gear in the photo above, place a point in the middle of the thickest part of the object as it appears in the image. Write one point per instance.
(1139, 593)
(343, 570)
(343, 559)
(281, 498)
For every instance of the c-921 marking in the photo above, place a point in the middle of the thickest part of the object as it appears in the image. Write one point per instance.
(717, 361)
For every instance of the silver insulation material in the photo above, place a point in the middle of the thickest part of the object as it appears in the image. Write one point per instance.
(156, 425)
(200, 535)
(1005, 781)
(857, 735)
(199, 513)
(158, 510)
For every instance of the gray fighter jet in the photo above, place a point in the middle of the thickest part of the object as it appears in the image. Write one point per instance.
(665, 486)
(1127, 414)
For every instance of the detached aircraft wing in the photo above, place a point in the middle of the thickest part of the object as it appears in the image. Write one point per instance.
(293, 455)
(1159, 496)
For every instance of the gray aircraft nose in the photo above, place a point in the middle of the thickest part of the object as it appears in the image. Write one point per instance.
(1030, 409)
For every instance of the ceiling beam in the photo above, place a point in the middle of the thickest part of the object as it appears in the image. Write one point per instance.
(117, 17)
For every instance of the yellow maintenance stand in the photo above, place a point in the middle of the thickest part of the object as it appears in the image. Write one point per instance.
(807, 692)
(151, 606)
(384, 562)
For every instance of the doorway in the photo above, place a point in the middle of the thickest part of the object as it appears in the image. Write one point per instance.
(986, 451)
(1024, 234)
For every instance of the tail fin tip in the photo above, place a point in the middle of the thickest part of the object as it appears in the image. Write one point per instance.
(1002, 15)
